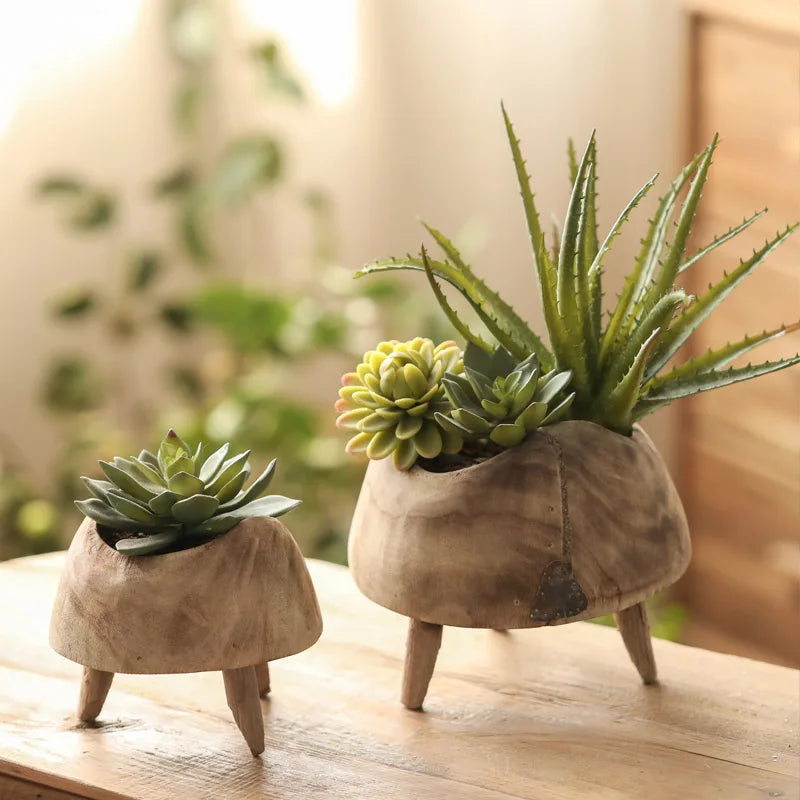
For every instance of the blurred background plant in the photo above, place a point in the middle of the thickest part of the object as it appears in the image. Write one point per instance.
(243, 353)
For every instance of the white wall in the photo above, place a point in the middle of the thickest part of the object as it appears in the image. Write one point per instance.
(420, 135)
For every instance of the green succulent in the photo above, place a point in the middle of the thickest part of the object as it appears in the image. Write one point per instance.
(618, 366)
(390, 401)
(178, 497)
(497, 399)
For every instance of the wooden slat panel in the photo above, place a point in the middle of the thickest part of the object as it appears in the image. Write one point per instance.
(748, 91)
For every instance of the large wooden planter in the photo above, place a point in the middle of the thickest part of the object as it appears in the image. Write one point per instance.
(232, 604)
(574, 523)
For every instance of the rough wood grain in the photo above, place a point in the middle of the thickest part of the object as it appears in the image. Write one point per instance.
(574, 523)
(262, 675)
(94, 690)
(550, 713)
(422, 647)
(241, 692)
(635, 629)
(239, 600)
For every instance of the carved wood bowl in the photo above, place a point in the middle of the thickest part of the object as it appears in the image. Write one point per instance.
(574, 523)
(233, 604)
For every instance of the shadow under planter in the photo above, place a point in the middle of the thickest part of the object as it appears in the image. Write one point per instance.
(232, 604)
(574, 523)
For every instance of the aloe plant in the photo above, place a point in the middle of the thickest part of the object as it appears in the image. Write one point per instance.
(617, 365)
(498, 400)
(390, 401)
(178, 496)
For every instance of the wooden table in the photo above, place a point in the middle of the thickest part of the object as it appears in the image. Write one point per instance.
(555, 712)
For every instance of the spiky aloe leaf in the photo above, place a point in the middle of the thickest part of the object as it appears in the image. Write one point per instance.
(463, 329)
(150, 544)
(499, 317)
(657, 318)
(704, 304)
(670, 264)
(616, 411)
(647, 260)
(715, 359)
(572, 161)
(194, 509)
(720, 240)
(705, 381)
(546, 274)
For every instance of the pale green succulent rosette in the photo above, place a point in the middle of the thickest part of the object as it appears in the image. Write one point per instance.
(391, 400)
(502, 401)
(178, 496)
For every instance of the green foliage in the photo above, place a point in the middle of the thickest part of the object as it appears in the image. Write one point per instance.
(615, 370)
(86, 207)
(502, 401)
(178, 497)
(392, 399)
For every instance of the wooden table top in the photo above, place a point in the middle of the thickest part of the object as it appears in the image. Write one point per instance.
(553, 712)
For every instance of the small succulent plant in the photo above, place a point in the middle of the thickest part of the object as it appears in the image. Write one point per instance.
(391, 400)
(502, 401)
(178, 497)
(621, 367)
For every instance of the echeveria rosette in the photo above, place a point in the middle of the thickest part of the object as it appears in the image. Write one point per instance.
(391, 400)
(178, 496)
(502, 401)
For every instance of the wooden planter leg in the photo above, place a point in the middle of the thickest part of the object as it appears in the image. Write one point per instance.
(635, 629)
(241, 690)
(422, 647)
(94, 689)
(262, 675)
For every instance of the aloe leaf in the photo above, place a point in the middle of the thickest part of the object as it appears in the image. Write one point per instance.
(616, 411)
(588, 287)
(688, 320)
(105, 515)
(212, 464)
(705, 381)
(462, 328)
(719, 240)
(715, 359)
(646, 261)
(670, 264)
(148, 545)
(544, 271)
(195, 509)
(499, 317)
(572, 162)
(127, 482)
(658, 318)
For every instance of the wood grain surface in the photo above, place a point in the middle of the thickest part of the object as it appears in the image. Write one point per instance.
(551, 712)
(574, 523)
(239, 600)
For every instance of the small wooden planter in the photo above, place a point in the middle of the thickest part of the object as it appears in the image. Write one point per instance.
(232, 604)
(574, 523)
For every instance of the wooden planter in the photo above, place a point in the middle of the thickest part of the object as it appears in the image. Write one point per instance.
(574, 523)
(232, 604)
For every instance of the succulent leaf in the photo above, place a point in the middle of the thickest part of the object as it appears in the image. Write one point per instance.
(178, 497)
